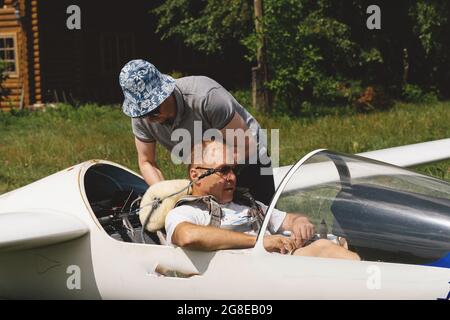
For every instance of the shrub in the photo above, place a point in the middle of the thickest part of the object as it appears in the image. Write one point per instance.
(244, 97)
(373, 98)
(176, 74)
(349, 91)
(413, 93)
(304, 49)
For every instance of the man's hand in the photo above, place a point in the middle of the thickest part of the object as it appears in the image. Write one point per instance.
(300, 227)
(277, 243)
(302, 230)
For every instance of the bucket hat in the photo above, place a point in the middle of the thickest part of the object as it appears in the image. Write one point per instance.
(144, 87)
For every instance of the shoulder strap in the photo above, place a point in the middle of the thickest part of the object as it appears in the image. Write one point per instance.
(214, 208)
(244, 197)
(188, 199)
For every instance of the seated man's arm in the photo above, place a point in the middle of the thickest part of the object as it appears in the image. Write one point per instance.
(187, 227)
(298, 224)
(209, 238)
(302, 229)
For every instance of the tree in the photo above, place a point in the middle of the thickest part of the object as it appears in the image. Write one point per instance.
(431, 28)
(260, 73)
(320, 51)
(209, 26)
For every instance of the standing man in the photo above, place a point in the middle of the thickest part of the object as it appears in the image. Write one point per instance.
(159, 104)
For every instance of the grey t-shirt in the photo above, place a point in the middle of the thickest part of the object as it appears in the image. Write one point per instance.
(202, 99)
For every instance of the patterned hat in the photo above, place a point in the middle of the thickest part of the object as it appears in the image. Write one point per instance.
(144, 87)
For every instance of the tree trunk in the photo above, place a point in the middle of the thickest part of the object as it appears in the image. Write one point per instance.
(405, 66)
(260, 94)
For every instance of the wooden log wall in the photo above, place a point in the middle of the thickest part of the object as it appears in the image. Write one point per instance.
(24, 88)
(36, 52)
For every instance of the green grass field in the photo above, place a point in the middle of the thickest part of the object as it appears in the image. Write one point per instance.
(36, 144)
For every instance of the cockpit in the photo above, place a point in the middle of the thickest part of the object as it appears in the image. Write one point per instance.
(114, 196)
(384, 213)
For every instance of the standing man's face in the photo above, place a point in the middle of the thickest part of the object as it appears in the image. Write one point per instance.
(165, 112)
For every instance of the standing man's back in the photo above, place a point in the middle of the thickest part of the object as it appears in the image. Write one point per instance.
(168, 110)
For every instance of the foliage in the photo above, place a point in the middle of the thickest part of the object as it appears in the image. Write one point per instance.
(176, 74)
(413, 93)
(207, 25)
(429, 17)
(306, 50)
(431, 29)
(320, 51)
(373, 98)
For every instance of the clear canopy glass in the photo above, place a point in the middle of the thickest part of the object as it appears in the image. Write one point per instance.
(384, 213)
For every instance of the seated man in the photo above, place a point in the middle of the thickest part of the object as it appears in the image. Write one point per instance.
(191, 224)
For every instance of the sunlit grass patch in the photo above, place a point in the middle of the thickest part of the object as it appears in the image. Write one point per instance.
(36, 144)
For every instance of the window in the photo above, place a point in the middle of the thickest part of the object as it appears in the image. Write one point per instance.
(8, 53)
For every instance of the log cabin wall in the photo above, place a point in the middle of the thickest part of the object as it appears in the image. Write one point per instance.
(61, 53)
(61, 65)
(84, 65)
(35, 56)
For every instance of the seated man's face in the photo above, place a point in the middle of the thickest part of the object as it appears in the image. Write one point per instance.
(222, 184)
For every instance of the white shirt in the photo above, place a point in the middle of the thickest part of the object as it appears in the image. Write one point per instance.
(232, 214)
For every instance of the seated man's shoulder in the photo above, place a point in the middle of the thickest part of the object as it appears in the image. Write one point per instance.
(187, 212)
(184, 209)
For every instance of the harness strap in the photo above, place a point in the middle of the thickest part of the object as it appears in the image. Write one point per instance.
(243, 197)
(215, 211)
(214, 208)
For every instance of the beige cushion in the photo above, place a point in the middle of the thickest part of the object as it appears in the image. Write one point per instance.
(161, 190)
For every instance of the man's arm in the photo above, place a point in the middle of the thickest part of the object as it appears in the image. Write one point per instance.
(207, 238)
(221, 111)
(302, 229)
(147, 161)
(237, 123)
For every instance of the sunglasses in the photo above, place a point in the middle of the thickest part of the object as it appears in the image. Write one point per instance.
(153, 114)
(224, 170)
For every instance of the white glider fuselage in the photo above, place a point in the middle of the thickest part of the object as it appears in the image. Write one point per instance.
(53, 246)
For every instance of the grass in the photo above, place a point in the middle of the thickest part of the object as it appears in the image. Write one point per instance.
(36, 144)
